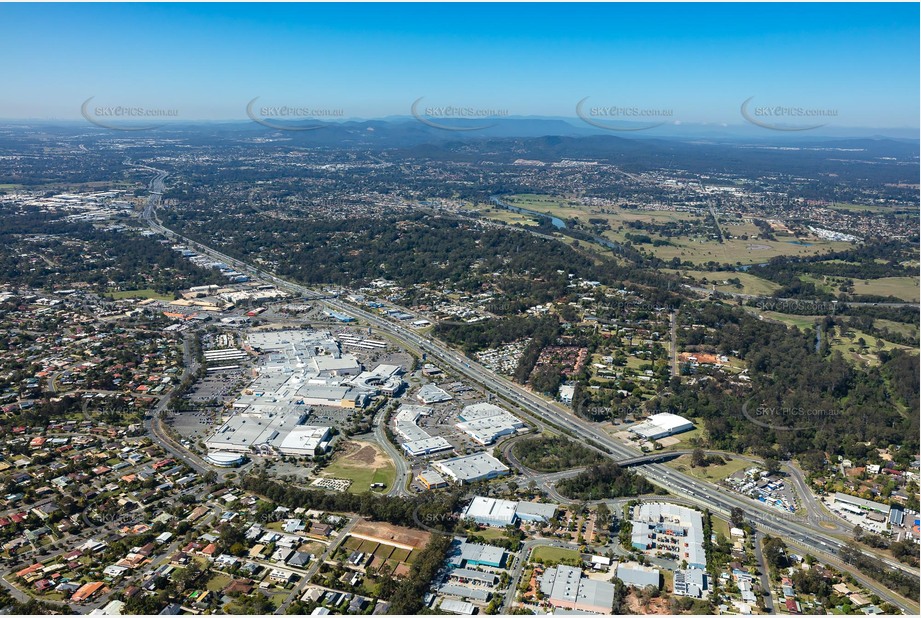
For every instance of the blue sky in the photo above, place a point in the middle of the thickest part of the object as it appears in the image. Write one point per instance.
(370, 60)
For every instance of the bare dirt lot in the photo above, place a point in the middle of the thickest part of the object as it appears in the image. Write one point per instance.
(363, 454)
(638, 605)
(388, 532)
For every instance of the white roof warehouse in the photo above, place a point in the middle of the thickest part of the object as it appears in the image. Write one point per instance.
(661, 426)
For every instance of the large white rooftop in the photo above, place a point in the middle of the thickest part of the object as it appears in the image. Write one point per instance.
(469, 468)
(661, 425)
(491, 510)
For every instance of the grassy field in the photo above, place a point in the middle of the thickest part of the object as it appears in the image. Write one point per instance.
(720, 525)
(554, 554)
(750, 283)
(851, 349)
(826, 285)
(684, 439)
(908, 330)
(738, 251)
(400, 555)
(363, 463)
(696, 250)
(491, 533)
(859, 208)
(592, 250)
(711, 472)
(218, 582)
(669, 580)
(147, 293)
(800, 321)
(549, 204)
(905, 288)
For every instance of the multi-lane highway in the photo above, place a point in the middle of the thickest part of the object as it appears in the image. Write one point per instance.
(807, 534)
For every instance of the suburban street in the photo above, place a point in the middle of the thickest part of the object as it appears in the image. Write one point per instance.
(298, 590)
(403, 469)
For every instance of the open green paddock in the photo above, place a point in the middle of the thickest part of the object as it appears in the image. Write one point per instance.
(383, 551)
(368, 547)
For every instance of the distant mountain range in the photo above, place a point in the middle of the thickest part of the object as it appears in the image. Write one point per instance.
(407, 130)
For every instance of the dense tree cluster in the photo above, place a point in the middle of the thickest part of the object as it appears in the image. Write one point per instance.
(800, 400)
(486, 334)
(418, 248)
(554, 453)
(408, 597)
(433, 509)
(897, 581)
(69, 252)
(607, 480)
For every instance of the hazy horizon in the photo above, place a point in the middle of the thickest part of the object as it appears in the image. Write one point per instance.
(835, 65)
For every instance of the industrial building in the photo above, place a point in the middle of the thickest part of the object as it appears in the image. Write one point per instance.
(491, 512)
(431, 480)
(457, 607)
(466, 554)
(535, 511)
(859, 505)
(495, 512)
(565, 587)
(661, 426)
(465, 592)
(416, 441)
(472, 468)
(429, 394)
(339, 316)
(332, 366)
(251, 430)
(224, 355)
(691, 583)
(670, 529)
(636, 575)
(306, 367)
(481, 578)
(271, 433)
(485, 423)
